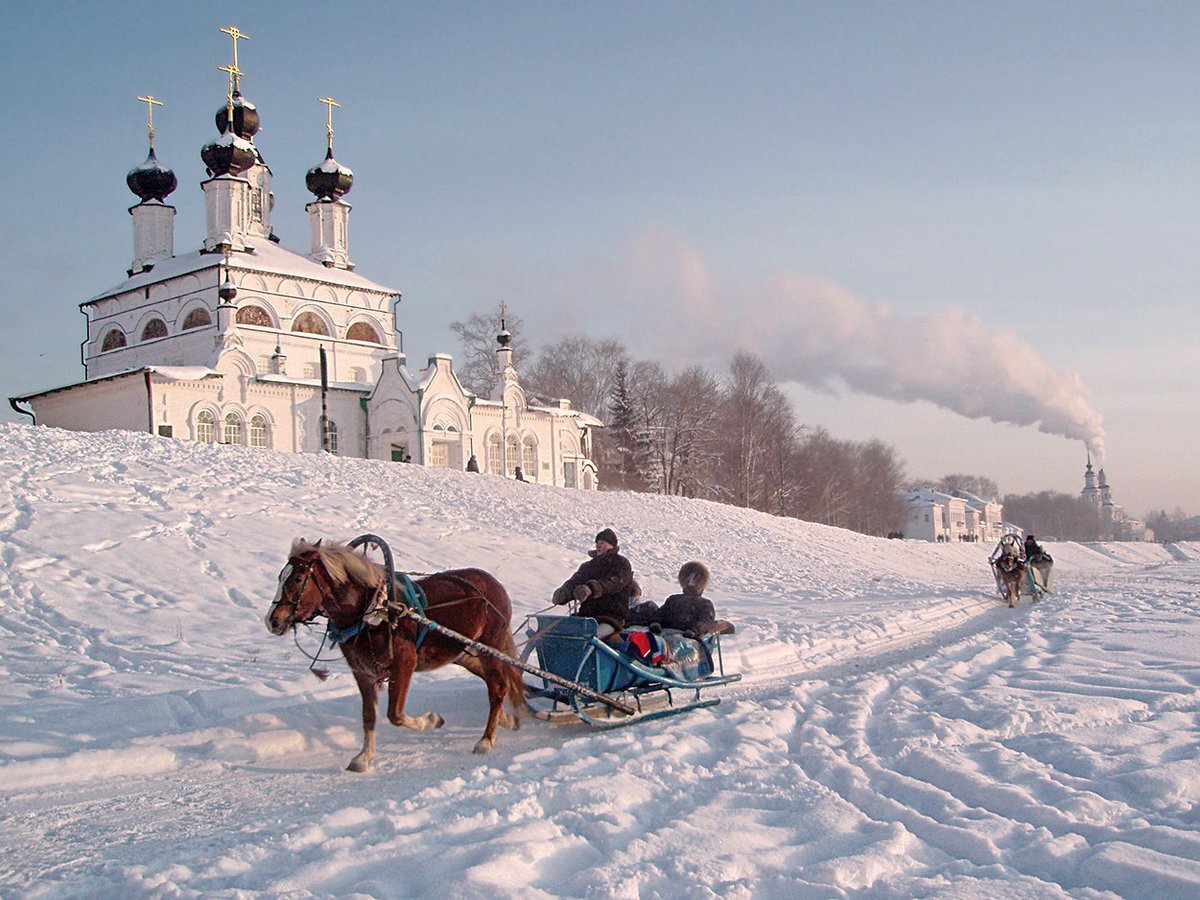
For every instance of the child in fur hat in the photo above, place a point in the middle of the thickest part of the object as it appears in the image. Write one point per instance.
(687, 611)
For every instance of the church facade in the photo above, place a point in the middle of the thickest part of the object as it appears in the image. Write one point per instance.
(241, 341)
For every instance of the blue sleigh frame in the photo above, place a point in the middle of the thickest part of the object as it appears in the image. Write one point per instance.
(567, 646)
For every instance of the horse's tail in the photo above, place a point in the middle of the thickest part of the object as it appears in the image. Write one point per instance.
(512, 679)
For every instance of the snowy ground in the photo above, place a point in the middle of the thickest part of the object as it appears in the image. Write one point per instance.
(899, 732)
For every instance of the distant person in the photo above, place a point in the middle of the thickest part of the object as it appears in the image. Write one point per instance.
(472, 464)
(1033, 550)
(603, 586)
(518, 474)
(1041, 566)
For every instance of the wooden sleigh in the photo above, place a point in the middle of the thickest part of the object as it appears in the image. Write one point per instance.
(630, 689)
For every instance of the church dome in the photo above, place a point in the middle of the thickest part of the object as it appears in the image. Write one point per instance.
(228, 154)
(151, 180)
(330, 180)
(245, 117)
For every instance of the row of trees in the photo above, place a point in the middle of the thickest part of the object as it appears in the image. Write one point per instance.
(1053, 514)
(730, 437)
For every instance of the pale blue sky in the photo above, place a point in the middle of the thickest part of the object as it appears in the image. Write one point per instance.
(624, 168)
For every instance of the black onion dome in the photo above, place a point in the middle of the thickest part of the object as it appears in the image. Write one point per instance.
(504, 338)
(150, 180)
(245, 117)
(330, 179)
(228, 155)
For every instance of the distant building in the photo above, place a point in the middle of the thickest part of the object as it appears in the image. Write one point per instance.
(241, 341)
(957, 516)
(1115, 524)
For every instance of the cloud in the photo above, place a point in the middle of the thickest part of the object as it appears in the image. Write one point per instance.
(820, 335)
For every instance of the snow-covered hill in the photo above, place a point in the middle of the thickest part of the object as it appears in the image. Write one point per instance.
(899, 732)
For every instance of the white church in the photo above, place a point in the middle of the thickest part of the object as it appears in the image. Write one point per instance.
(241, 341)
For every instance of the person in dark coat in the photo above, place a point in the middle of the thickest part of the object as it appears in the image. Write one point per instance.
(603, 585)
(690, 610)
(472, 464)
(1033, 550)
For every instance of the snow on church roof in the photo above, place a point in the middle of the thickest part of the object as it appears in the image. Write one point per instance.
(266, 256)
(171, 373)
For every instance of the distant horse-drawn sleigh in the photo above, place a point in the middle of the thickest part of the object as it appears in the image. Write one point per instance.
(389, 626)
(1017, 573)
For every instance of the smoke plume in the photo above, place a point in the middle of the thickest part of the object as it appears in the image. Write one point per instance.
(819, 335)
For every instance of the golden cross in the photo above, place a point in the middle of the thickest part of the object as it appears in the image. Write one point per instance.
(234, 72)
(233, 32)
(503, 310)
(330, 103)
(150, 102)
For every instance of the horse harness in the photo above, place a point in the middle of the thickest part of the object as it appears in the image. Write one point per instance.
(384, 606)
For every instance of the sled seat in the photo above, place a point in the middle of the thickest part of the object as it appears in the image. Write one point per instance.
(564, 647)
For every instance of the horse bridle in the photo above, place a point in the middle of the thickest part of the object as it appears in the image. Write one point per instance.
(285, 573)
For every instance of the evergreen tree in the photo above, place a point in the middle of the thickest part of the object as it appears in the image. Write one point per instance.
(628, 438)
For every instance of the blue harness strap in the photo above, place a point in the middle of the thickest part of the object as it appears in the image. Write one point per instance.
(414, 597)
(341, 635)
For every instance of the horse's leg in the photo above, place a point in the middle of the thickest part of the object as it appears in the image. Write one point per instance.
(370, 702)
(492, 673)
(404, 663)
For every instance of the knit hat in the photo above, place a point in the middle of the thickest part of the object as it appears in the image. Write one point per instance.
(608, 536)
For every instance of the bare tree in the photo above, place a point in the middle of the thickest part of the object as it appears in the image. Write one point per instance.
(878, 480)
(826, 472)
(478, 372)
(972, 484)
(755, 416)
(684, 435)
(1051, 513)
(579, 369)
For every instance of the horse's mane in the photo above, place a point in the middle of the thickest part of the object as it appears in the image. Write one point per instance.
(341, 562)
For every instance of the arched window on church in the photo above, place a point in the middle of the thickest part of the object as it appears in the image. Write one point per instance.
(258, 431)
(494, 461)
(513, 455)
(309, 323)
(254, 315)
(363, 331)
(529, 458)
(155, 328)
(114, 340)
(197, 318)
(331, 435)
(233, 429)
(205, 426)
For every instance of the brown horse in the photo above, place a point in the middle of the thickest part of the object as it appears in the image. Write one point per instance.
(332, 580)
(1008, 564)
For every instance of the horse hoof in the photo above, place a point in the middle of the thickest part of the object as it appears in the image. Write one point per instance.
(484, 745)
(358, 765)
